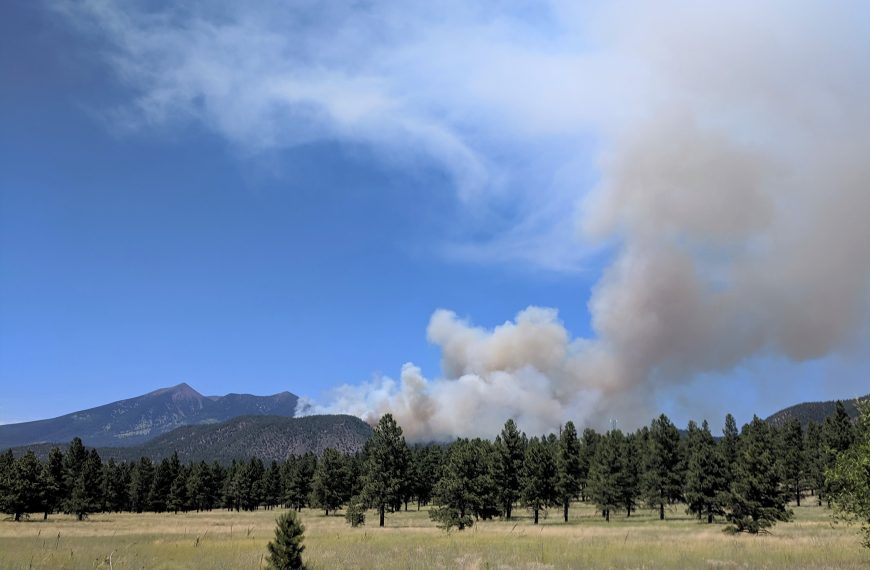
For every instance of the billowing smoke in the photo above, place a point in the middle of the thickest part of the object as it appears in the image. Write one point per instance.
(737, 199)
(732, 193)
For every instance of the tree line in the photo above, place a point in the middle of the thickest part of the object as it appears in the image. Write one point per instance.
(747, 477)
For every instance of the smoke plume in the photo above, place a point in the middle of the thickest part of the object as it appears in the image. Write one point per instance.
(737, 200)
(732, 167)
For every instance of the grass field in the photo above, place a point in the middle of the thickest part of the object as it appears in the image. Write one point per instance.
(237, 540)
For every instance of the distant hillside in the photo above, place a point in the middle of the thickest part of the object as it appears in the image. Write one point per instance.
(811, 411)
(137, 420)
(266, 437)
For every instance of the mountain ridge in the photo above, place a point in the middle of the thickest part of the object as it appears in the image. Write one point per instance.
(806, 412)
(136, 420)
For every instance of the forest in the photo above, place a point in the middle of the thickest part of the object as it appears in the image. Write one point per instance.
(747, 476)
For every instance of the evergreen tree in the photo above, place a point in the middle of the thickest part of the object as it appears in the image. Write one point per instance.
(816, 459)
(631, 452)
(21, 485)
(198, 486)
(285, 550)
(604, 472)
(850, 478)
(74, 461)
(386, 466)
(510, 454)
(838, 434)
(298, 476)
(329, 489)
(706, 489)
(662, 481)
(540, 476)
(356, 512)
(116, 484)
(425, 472)
(458, 492)
(728, 444)
(758, 498)
(587, 452)
(54, 490)
(792, 457)
(85, 493)
(569, 467)
(272, 491)
(177, 499)
(141, 481)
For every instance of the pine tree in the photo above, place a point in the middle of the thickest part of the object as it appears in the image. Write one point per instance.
(510, 453)
(706, 490)
(758, 498)
(604, 472)
(21, 488)
(285, 550)
(540, 476)
(815, 458)
(792, 457)
(457, 492)
(838, 434)
(425, 472)
(569, 467)
(631, 452)
(85, 493)
(587, 451)
(298, 476)
(329, 489)
(386, 466)
(849, 478)
(141, 480)
(54, 491)
(177, 500)
(728, 444)
(116, 483)
(662, 481)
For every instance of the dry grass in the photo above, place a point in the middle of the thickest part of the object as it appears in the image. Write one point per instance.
(237, 540)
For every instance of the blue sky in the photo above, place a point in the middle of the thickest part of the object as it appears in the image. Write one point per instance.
(161, 226)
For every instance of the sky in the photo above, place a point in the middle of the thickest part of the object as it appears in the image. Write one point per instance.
(456, 213)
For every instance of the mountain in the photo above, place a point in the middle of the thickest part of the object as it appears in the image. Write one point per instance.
(812, 411)
(137, 420)
(265, 437)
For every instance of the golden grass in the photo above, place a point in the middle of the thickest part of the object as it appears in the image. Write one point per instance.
(222, 539)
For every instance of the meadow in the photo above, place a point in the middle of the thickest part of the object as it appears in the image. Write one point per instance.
(221, 539)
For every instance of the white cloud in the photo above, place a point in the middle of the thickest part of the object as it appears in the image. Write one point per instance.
(731, 143)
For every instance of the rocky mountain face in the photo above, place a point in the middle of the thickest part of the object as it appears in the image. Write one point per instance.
(137, 420)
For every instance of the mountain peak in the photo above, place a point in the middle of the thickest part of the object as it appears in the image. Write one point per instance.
(139, 419)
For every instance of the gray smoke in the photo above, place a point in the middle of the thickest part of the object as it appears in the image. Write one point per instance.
(737, 197)
(733, 181)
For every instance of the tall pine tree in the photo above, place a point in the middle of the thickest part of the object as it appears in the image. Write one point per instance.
(662, 481)
(386, 466)
(758, 497)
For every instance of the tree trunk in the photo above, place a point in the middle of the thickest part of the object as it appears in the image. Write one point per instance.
(536, 516)
(798, 495)
(628, 511)
(45, 516)
(381, 514)
(709, 518)
(17, 517)
(566, 510)
(508, 511)
(661, 511)
(607, 515)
